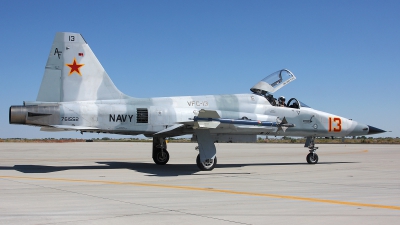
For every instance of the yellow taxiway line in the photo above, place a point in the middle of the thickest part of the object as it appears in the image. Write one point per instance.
(188, 188)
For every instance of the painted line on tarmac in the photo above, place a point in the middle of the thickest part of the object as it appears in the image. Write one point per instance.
(188, 188)
(70, 160)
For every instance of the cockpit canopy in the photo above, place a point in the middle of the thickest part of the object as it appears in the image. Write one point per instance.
(273, 82)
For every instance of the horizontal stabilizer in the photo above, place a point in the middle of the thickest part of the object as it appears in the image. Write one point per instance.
(68, 127)
(28, 103)
(50, 129)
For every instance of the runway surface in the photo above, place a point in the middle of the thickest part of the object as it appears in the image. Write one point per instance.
(118, 183)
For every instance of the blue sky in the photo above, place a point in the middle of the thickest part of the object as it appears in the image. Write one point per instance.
(345, 54)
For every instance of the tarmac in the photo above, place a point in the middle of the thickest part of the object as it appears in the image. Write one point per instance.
(118, 183)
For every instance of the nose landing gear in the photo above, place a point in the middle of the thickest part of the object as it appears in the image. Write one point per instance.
(312, 157)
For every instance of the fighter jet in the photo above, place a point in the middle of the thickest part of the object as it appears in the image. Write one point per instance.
(76, 94)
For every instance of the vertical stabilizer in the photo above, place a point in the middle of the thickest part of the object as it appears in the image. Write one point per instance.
(73, 73)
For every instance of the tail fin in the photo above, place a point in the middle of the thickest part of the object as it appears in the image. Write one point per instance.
(73, 73)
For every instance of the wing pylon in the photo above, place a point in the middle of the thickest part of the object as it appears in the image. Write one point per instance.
(283, 124)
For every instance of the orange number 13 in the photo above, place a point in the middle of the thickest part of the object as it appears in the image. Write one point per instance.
(338, 122)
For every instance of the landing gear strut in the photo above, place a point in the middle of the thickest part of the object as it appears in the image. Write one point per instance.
(206, 159)
(160, 153)
(312, 157)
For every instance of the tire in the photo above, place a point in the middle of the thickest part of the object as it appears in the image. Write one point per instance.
(161, 157)
(208, 165)
(312, 158)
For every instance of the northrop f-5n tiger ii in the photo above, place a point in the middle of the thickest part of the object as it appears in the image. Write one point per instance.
(76, 94)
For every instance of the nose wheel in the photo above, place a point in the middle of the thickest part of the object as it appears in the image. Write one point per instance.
(312, 157)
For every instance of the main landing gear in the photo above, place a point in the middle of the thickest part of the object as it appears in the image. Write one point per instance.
(160, 153)
(206, 159)
(207, 165)
(312, 157)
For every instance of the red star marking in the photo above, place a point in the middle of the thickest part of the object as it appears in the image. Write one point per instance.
(74, 68)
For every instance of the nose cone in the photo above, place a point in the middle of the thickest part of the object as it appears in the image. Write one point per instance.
(374, 130)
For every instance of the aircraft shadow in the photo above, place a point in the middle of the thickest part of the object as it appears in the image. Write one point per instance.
(149, 168)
